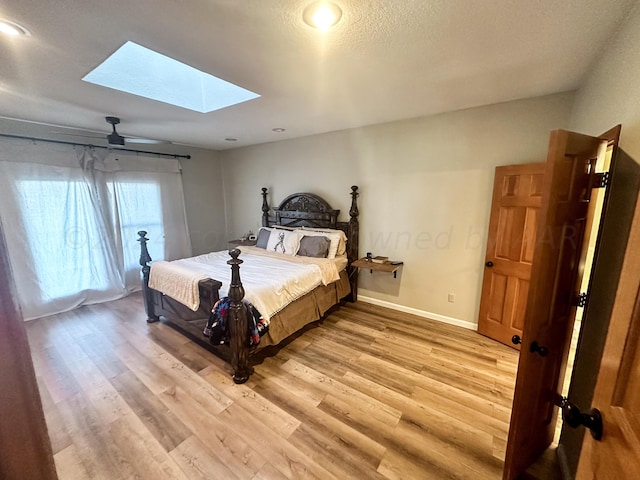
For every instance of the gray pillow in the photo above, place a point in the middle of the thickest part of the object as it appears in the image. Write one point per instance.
(263, 238)
(314, 246)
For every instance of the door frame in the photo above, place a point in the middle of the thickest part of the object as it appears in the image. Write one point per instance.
(622, 339)
(616, 219)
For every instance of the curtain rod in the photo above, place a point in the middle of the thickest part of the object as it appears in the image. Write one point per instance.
(62, 142)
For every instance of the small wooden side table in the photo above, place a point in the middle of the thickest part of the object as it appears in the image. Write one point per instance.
(241, 242)
(387, 267)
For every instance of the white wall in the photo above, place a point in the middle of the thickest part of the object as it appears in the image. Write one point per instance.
(611, 94)
(425, 192)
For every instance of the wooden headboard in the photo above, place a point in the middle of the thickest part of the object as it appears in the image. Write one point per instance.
(310, 210)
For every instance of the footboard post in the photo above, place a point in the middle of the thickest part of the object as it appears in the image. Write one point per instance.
(145, 259)
(352, 245)
(237, 322)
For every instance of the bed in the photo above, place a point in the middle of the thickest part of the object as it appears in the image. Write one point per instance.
(299, 212)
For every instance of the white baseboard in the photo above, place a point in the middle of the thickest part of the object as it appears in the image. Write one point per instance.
(420, 313)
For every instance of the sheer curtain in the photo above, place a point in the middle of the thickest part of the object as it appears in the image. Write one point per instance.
(71, 220)
(154, 202)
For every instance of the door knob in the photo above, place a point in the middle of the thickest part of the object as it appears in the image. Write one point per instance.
(573, 417)
(516, 340)
(543, 351)
(489, 264)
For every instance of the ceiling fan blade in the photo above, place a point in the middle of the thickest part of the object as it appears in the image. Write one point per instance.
(147, 141)
(71, 134)
(114, 139)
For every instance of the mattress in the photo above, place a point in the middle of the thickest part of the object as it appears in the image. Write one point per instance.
(271, 280)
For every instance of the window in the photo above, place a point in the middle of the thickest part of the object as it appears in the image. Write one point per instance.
(71, 232)
(138, 207)
(63, 237)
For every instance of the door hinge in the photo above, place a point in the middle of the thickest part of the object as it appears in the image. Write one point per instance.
(602, 180)
(581, 300)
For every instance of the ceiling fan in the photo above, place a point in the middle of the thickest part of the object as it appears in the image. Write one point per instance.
(114, 138)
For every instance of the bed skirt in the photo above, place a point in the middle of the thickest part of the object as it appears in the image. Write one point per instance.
(306, 309)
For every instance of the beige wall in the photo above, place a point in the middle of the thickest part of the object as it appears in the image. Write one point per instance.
(425, 192)
(611, 94)
(204, 200)
(201, 177)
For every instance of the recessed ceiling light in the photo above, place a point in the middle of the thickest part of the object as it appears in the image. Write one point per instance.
(13, 29)
(322, 15)
(278, 130)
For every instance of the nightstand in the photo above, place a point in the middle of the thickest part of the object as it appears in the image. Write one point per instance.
(387, 267)
(241, 242)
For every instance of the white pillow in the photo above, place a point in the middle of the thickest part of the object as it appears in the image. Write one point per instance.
(284, 241)
(336, 237)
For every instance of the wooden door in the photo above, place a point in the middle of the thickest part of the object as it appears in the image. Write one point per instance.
(568, 179)
(25, 449)
(617, 393)
(517, 197)
(618, 207)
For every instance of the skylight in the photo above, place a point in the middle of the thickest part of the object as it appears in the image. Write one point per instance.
(136, 69)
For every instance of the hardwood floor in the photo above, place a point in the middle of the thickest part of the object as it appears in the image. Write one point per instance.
(370, 393)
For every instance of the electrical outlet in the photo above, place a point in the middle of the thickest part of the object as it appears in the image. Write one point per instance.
(451, 298)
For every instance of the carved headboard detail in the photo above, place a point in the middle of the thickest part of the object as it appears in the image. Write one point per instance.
(306, 209)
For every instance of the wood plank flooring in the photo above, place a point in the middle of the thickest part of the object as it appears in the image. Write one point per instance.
(370, 393)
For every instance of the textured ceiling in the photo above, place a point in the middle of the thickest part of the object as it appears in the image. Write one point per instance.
(385, 60)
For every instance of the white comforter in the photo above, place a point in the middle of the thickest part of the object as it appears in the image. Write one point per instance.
(271, 280)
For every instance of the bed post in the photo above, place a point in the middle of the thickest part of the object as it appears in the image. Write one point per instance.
(265, 208)
(145, 259)
(237, 323)
(352, 245)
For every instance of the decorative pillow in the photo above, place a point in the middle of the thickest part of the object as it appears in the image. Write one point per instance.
(263, 237)
(337, 238)
(314, 246)
(284, 241)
